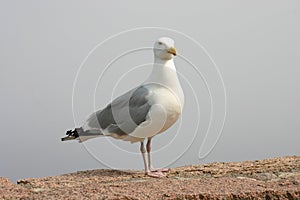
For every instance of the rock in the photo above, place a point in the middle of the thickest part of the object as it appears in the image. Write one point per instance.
(276, 178)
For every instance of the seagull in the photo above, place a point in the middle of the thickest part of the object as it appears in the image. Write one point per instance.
(143, 112)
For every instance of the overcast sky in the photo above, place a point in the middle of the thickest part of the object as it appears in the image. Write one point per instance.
(252, 46)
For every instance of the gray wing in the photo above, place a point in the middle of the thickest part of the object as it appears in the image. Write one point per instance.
(126, 112)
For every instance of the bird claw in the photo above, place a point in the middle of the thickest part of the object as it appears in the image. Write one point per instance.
(160, 170)
(157, 174)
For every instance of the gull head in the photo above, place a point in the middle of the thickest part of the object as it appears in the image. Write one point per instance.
(164, 48)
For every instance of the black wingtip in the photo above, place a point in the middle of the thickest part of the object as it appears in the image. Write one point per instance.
(71, 135)
(69, 132)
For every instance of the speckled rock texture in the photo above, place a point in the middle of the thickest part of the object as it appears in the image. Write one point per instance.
(277, 178)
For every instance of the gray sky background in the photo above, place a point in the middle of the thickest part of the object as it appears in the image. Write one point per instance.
(255, 45)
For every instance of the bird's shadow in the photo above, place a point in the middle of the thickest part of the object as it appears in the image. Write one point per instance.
(106, 173)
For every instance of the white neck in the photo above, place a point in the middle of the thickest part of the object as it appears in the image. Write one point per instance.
(164, 73)
(164, 63)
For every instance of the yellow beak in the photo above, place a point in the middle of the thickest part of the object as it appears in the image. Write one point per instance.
(172, 50)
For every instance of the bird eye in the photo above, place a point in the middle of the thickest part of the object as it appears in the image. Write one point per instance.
(160, 43)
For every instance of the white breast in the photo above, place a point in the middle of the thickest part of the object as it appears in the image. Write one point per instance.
(171, 104)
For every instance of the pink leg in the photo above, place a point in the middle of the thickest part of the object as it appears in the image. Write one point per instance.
(150, 160)
(154, 174)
